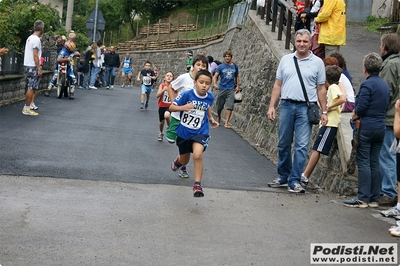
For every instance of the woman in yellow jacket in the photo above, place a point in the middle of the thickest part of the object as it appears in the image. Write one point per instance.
(333, 25)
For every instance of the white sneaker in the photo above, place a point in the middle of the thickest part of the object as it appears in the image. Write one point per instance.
(111, 87)
(123, 85)
(33, 106)
(92, 88)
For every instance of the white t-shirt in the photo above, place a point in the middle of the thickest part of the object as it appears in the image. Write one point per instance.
(183, 83)
(348, 87)
(32, 43)
(97, 60)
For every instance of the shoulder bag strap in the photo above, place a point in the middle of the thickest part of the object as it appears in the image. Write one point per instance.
(301, 81)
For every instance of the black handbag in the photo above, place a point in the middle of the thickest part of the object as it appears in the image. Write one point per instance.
(313, 111)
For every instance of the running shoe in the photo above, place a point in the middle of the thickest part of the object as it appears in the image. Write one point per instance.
(198, 191)
(146, 105)
(160, 137)
(183, 172)
(123, 85)
(175, 165)
(392, 212)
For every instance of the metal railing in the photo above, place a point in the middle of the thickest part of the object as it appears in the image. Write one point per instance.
(281, 16)
(12, 62)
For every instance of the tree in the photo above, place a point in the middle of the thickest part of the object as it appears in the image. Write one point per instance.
(17, 18)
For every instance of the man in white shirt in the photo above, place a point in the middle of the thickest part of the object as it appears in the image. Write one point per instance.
(33, 69)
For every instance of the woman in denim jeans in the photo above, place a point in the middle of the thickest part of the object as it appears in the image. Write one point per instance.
(371, 105)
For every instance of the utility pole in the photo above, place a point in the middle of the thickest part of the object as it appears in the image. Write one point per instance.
(70, 11)
(95, 21)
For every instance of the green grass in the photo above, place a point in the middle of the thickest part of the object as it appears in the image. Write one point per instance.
(375, 23)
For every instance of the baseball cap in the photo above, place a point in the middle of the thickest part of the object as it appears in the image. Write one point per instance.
(190, 52)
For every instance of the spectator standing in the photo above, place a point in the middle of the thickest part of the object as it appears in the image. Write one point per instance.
(345, 86)
(342, 64)
(293, 119)
(390, 48)
(189, 61)
(326, 134)
(372, 102)
(333, 25)
(228, 86)
(395, 211)
(102, 73)
(87, 65)
(96, 64)
(112, 62)
(33, 70)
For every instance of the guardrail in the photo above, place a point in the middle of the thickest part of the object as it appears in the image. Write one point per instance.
(281, 16)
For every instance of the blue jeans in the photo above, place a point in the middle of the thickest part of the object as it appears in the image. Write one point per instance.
(110, 75)
(293, 122)
(95, 71)
(369, 170)
(388, 163)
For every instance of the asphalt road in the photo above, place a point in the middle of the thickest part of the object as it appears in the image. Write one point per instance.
(87, 183)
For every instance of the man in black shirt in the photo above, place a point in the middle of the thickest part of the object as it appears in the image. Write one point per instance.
(111, 62)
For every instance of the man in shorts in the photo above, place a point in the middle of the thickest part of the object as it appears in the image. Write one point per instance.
(126, 69)
(228, 86)
(33, 53)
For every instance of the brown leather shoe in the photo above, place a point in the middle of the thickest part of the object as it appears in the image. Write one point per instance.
(386, 201)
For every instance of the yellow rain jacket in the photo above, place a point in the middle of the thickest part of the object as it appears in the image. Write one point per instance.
(333, 23)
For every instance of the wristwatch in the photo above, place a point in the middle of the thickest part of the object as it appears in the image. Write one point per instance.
(325, 113)
(39, 68)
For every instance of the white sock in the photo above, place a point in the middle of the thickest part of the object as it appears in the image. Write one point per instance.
(27, 107)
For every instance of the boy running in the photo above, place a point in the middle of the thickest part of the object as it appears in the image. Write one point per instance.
(183, 83)
(148, 78)
(326, 134)
(126, 69)
(163, 103)
(193, 129)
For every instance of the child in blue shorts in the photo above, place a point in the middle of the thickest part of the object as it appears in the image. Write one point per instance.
(326, 134)
(193, 128)
(148, 77)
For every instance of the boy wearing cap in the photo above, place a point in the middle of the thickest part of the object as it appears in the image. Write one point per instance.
(189, 61)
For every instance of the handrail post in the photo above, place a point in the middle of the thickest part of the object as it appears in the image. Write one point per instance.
(274, 15)
(268, 11)
(281, 20)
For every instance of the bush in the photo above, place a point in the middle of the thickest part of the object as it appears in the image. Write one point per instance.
(17, 18)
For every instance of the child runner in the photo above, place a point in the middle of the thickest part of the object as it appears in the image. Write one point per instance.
(126, 69)
(155, 69)
(148, 78)
(183, 83)
(326, 134)
(163, 103)
(193, 129)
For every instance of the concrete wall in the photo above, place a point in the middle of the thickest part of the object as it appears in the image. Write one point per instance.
(257, 53)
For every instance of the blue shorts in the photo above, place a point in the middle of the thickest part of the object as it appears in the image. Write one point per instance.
(186, 145)
(324, 140)
(127, 70)
(146, 89)
(32, 77)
